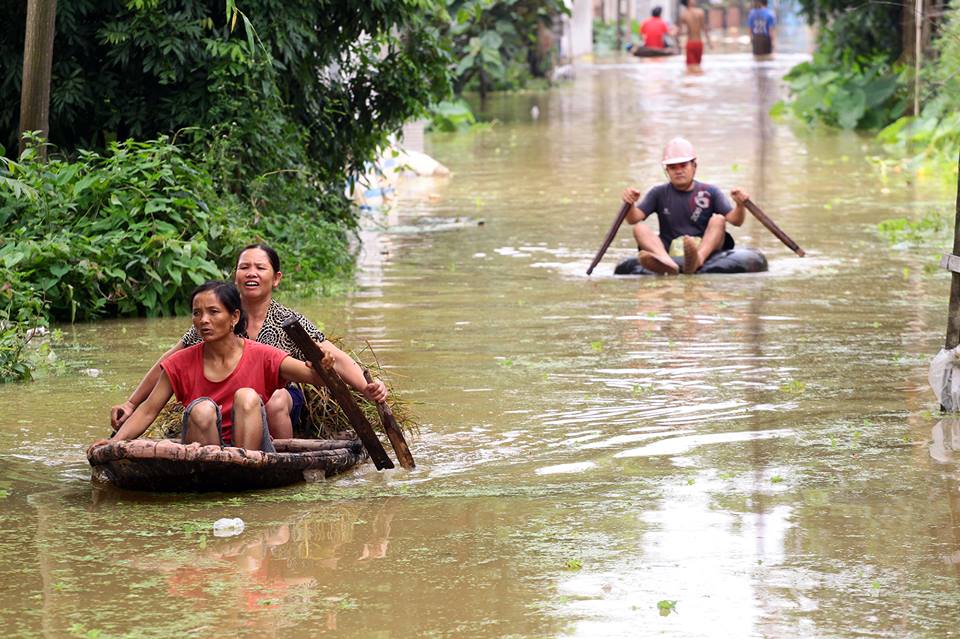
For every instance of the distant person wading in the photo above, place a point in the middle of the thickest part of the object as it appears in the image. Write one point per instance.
(654, 29)
(762, 25)
(693, 22)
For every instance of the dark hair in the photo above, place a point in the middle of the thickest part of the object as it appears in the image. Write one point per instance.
(656, 12)
(271, 254)
(685, 3)
(228, 295)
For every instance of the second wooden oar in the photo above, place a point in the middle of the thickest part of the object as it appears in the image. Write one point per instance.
(340, 393)
(393, 430)
(612, 233)
(773, 228)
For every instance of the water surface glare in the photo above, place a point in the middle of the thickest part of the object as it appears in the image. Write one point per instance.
(758, 449)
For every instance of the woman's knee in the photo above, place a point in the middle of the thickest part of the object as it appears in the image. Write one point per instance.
(203, 413)
(280, 402)
(246, 399)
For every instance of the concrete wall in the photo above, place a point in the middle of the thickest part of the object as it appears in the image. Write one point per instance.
(577, 38)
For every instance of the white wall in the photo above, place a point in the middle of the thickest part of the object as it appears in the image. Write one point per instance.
(577, 40)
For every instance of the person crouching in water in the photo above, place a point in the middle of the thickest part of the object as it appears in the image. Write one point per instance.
(222, 382)
(685, 208)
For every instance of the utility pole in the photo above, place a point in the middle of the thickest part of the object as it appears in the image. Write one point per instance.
(952, 264)
(37, 65)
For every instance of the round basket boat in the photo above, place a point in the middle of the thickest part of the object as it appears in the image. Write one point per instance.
(738, 260)
(169, 466)
(650, 52)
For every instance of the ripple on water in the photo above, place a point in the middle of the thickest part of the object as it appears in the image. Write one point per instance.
(686, 443)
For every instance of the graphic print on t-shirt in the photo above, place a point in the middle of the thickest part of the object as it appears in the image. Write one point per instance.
(701, 201)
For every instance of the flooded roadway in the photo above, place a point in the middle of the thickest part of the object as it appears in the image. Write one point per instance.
(756, 451)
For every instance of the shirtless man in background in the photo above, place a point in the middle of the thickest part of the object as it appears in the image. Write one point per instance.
(693, 21)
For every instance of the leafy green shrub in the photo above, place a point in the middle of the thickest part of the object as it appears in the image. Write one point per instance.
(861, 93)
(934, 135)
(22, 311)
(449, 116)
(124, 233)
(132, 231)
(604, 37)
(501, 44)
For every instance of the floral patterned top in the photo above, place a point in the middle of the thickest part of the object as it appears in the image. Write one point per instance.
(271, 333)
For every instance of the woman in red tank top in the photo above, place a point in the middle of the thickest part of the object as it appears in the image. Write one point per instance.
(224, 381)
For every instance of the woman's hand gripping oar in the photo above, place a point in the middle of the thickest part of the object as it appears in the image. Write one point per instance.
(393, 431)
(772, 227)
(339, 392)
(612, 233)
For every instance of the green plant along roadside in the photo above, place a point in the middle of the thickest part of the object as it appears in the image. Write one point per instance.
(933, 137)
(859, 94)
(856, 81)
(501, 44)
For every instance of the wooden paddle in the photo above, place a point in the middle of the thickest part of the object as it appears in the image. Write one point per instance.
(773, 228)
(393, 430)
(340, 392)
(621, 216)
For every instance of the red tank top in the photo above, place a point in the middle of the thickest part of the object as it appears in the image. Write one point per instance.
(258, 368)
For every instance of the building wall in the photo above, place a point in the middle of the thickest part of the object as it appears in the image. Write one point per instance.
(577, 38)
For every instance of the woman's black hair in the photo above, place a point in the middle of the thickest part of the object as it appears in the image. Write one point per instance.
(271, 254)
(229, 296)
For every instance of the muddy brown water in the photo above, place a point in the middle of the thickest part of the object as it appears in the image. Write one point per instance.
(758, 449)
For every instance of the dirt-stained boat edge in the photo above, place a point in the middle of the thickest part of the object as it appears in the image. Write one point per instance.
(168, 466)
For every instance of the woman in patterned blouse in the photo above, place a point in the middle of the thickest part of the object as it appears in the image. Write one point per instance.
(257, 275)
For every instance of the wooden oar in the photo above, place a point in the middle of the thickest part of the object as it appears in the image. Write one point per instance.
(773, 228)
(393, 430)
(340, 393)
(612, 233)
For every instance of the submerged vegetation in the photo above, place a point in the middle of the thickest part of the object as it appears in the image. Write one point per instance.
(932, 228)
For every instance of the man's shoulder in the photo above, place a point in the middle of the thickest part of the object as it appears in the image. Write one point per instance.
(706, 186)
(659, 189)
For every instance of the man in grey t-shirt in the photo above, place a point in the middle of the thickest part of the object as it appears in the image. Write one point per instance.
(685, 208)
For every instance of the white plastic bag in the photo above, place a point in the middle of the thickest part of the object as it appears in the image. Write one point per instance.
(945, 379)
(227, 527)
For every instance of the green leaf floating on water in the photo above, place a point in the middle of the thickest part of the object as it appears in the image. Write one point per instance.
(793, 386)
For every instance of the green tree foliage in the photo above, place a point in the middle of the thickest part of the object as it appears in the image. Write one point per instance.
(122, 233)
(323, 83)
(241, 123)
(501, 43)
(852, 29)
(856, 94)
(934, 135)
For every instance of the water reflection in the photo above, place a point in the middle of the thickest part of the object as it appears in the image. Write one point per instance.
(756, 448)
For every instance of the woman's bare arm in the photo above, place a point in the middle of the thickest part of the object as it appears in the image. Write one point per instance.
(122, 412)
(294, 370)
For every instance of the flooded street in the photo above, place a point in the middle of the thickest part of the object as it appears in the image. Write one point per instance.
(760, 452)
